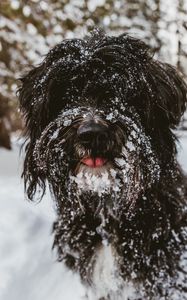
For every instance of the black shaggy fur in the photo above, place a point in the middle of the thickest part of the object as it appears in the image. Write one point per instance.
(139, 100)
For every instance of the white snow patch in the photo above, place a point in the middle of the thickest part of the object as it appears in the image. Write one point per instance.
(106, 278)
(101, 180)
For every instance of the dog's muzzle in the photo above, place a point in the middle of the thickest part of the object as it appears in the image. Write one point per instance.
(93, 135)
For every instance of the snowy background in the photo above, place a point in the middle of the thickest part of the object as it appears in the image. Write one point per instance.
(28, 267)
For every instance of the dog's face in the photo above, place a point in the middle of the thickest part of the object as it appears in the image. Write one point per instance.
(99, 114)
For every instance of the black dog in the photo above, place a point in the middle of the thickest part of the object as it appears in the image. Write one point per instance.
(99, 116)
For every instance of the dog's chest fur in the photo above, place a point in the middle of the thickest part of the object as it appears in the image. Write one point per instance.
(107, 282)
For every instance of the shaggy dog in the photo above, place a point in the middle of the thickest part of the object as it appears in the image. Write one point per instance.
(99, 116)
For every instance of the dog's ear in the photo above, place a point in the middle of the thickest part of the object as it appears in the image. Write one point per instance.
(31, 106)
(170, 92)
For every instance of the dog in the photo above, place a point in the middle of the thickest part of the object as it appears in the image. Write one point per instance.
(100, 115)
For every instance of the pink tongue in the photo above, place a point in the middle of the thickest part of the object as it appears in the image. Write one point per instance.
(94, 162)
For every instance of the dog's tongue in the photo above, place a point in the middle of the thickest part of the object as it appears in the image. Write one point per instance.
(94, 162)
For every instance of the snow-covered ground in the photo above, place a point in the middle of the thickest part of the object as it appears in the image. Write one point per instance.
(28, 270)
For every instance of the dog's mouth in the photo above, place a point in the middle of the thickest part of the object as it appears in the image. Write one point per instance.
(94, 162)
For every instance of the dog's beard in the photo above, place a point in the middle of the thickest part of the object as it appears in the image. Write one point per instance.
(109, 185)
(127, 169)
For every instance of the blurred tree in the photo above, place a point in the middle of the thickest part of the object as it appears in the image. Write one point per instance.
(29, 28)
(182, 36)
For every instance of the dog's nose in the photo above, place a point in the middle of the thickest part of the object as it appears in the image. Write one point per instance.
(91, 129)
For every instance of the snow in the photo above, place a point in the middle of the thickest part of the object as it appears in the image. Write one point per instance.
(106, 277)
(97, 183)
(28, 269)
